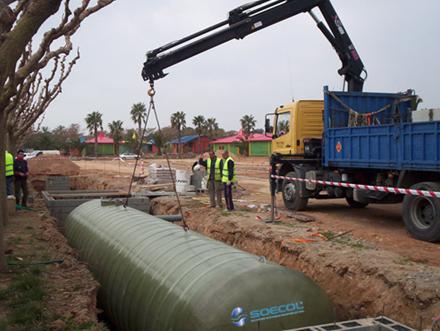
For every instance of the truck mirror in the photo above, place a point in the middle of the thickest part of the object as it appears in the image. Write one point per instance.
(267, 127)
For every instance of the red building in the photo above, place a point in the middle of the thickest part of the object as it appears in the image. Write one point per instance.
(193, 143)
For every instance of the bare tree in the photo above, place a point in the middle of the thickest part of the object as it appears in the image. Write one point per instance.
(22, 68)
(33, 98)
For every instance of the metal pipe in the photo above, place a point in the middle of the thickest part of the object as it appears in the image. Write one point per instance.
(170, 218)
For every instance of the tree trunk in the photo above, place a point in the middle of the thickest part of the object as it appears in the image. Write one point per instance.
(11, 143)
(96, 142)
(15, 43)
(140, 133)
(3, 205)
(179, 147)
(96, 147)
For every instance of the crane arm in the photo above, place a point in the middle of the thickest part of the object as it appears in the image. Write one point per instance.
(253, 17)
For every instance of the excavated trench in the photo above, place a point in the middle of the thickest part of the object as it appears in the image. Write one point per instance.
(362, 280)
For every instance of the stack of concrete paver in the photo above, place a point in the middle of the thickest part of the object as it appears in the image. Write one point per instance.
(158, 174)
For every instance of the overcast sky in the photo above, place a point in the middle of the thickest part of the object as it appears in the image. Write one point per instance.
(396, 39)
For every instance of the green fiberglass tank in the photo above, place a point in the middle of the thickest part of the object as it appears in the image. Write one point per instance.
(157, 277)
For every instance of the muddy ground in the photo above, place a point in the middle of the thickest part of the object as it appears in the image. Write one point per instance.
(364, 259)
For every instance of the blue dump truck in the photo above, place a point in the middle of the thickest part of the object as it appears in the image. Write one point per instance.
(351, 139)
(364, 147)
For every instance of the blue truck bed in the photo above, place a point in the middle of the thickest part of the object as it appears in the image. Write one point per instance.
(374, 131)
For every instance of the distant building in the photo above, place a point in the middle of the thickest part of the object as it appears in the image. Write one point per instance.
(259, 144)
(193, 143)
(152, 148)
(105, 145)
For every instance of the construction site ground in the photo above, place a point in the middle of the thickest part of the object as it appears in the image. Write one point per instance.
(380, 225)
(363, 258)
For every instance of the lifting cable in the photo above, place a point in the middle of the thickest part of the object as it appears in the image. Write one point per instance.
(152, 107)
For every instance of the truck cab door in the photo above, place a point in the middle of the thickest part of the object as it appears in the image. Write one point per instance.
(282, 139)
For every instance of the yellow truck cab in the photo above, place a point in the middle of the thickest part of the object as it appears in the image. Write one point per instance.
(293, 123)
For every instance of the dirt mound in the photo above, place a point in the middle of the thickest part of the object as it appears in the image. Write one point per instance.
(164, 206)
(98, 180)
(52, 166)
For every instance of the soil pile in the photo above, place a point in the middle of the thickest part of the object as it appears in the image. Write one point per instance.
(52, 166)
(164, 206)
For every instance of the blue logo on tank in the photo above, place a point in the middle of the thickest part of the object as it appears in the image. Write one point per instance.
(238, 317)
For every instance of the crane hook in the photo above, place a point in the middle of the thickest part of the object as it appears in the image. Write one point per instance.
(151, 91)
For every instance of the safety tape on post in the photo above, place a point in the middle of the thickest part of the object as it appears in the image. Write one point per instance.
(387, 189)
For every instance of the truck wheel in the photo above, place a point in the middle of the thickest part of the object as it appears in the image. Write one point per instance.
(422, 214)
(291, 197)
(356, 204)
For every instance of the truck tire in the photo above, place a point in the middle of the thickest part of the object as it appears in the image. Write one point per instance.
(291, 193)
(356, 204)
(422, 214)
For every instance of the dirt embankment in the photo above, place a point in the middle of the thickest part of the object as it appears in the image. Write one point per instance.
(43, 166)
(52, 166)
(361, 279)
(94, 180)
(54, 290)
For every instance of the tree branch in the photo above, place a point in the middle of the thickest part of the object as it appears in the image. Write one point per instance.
(34, 107)
(24, 93)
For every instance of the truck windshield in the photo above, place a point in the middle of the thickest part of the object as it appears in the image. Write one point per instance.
(283, 124)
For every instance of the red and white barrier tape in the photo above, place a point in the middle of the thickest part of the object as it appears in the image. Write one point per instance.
(387, 189)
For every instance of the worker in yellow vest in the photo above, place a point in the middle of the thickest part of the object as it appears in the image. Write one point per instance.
(9, 173)
(214, 168)
(228, 179)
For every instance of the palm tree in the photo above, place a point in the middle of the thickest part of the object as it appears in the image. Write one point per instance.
(116, 132)
(211, 126)
(139, 116)
(248, 123)
(159, 141)
(94, 123)
(178, 122)
(200, 124)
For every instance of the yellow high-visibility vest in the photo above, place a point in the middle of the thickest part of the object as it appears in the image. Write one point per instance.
(225, 177)
(9, 171)
(217, 172)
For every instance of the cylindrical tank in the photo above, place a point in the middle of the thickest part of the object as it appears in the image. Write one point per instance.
(157, 277)
(183, 178)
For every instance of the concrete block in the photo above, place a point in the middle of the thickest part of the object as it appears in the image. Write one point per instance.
(56, 183)
(61, 206)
